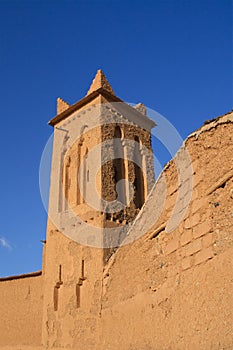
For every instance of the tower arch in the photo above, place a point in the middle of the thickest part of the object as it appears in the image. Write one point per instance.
(119, 164)
(139, 186)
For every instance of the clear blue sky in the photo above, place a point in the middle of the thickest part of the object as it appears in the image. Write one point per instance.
(174, 56)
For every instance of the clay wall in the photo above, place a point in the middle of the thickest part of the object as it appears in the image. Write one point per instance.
(164, 290)
(21, 310)
(168, 289)
(174, 290)
(72, 292)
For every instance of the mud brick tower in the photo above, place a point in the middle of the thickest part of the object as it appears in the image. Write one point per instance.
(102, 172)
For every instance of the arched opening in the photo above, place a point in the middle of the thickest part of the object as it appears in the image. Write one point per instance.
(139, 194)
(119, 165)
(78, 193)
(67, 181)
(84, 176)
(61, 183)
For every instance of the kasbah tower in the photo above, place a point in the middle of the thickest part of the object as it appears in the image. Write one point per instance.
(92, 132)
(128, 263)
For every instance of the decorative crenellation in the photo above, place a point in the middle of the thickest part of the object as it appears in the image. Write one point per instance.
(61, 105)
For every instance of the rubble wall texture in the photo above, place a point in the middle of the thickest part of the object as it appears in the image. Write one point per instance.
(21, 311)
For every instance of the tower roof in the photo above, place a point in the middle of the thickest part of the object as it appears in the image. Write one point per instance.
(101, 87)
(100, 81)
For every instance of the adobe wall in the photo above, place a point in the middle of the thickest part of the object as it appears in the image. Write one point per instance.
(74, 322)
(174, 290)
(164, 291)
(21, 311)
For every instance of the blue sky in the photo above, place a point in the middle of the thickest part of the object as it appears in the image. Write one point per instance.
(174, 56)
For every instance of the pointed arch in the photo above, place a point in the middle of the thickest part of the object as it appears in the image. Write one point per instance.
(78, 193)
(139, 195)
(67, 182)
(84, 175)
(119, 164)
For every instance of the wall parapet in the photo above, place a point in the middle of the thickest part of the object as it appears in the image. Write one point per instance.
(25, 275)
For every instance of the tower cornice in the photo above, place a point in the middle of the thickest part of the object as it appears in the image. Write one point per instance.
(123, 107)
